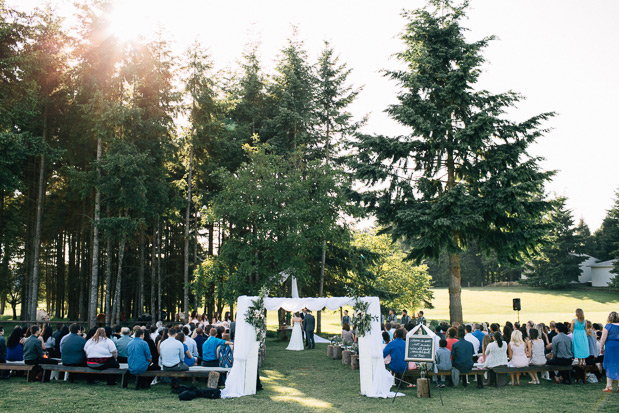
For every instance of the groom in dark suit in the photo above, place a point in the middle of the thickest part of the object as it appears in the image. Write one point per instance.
(308, 326)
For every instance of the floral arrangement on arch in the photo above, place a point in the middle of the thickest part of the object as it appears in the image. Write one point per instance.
(362, 318)
(256, 315)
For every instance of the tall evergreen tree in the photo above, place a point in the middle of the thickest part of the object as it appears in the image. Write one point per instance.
(463, 174)
(607, 237)
(292, 114)
(557, 263)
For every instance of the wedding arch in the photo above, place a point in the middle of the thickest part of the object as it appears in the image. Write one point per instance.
(375, 380)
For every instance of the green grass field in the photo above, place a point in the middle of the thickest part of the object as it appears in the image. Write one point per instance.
(305, 381)
(495, 305)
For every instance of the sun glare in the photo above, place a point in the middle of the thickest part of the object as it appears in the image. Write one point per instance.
(131, 20)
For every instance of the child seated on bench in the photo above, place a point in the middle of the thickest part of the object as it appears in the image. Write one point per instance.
(443, 361)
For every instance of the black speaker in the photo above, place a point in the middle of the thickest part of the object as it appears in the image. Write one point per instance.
(517, 304)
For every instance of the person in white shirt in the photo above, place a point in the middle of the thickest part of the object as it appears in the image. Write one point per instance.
(101, 354)
(471, 338)
(172, 353)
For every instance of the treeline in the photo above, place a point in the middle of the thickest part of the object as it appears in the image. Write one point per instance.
(556, 262)
(136, 181)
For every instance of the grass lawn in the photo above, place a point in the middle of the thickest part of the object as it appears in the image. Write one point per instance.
(299, 382)
(495, 304)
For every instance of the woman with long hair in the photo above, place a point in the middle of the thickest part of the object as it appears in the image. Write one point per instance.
(536, 351)
(15, 345)
(46, 336)
(580, 344)
(101, 353)
(518, 356)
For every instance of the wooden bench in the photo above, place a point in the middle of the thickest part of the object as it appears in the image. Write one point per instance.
(19, 366)
(529, 369)
(194, 371)
(82, 370)
(474, 372)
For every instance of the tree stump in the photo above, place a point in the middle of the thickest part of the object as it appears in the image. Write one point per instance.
(337, 353)
(346, 356)
(354, 362)
(330, 351)
(423, 388)
(213, 380)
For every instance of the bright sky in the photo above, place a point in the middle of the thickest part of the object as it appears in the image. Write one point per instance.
(560, 54)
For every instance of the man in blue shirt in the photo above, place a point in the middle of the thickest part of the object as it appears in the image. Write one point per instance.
(139, 359)
(122, 343)
(73, 348)
(200, 339)
(209, 349)
(479, 335)
(396, 349)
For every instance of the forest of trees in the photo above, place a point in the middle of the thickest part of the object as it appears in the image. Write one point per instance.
(136, 181)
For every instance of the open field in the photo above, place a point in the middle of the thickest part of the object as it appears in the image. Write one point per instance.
(305, 381)
(494, 304)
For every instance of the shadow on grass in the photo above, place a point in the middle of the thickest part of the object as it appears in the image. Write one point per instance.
(600, 295)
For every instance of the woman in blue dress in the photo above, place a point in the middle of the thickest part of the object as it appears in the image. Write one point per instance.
(610, 350)
(579, 339)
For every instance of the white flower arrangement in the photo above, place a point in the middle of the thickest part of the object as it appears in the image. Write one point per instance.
(361, 317)
(256, 315)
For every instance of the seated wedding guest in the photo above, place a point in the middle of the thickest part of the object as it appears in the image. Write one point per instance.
(518, 356)
(439, 332)
(561, 354)
(471, 338)
(72, 349)
(172, 353)
(479, 335)
(209, 349)
(496, 352)
(152, 347)
(15, 345)
(391, 331)
(443, 360)
(4, 374)
(189, 360)
(386, 340)
(48, 340)
(347, 333)
(484, 345)
(451, 337)
(139, 358)
(200, 339)
(536, 351)
(33, 349)
(101, 354)
(507, 332)
(154, 333)
(122, 343)
(462, 358)
(395, 349)
(191, 344)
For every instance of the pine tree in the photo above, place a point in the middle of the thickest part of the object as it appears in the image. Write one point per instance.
(557, 263)
(463, 173)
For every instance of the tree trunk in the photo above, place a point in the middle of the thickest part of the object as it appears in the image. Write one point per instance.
(94, 282)
(455, 283)
(34, 294)
(321, 288)
(140, 301)
(186, 254)
(153, 272)
(117, 307)
(455, 289)
(158, 270)
(108, 283)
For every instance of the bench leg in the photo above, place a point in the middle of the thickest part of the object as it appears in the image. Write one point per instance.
(480, 381)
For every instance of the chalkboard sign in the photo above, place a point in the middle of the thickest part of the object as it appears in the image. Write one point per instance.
(419, 348)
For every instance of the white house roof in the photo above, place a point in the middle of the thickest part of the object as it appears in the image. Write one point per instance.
(604, 264)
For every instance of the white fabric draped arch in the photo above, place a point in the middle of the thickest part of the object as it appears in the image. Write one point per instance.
(375, 380)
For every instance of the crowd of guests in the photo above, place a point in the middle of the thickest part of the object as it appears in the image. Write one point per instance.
(174, 347)
(576, 343)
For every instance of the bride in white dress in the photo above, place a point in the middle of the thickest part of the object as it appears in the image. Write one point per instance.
(296, 339)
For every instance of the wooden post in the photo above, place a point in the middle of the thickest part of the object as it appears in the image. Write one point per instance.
(337, 353)
(330, 351)
(423, 388)
(346, 356)
(213, 380)
(354, 362)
